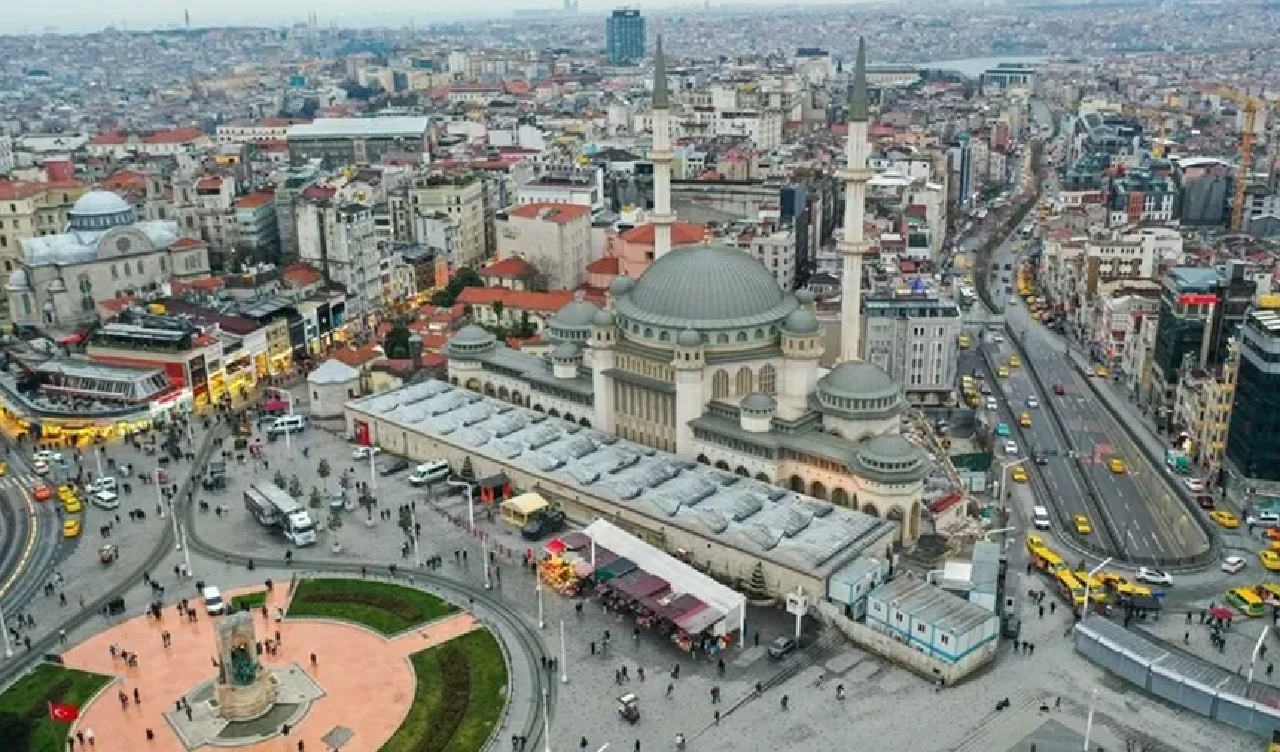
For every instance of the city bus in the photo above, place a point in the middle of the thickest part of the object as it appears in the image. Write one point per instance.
(1046, 559)
(1070, 588)
(1097, 588)
(1246, 601)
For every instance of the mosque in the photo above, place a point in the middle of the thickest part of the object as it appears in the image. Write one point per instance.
(704, 355)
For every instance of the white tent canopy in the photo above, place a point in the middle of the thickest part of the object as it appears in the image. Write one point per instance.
(680, 576)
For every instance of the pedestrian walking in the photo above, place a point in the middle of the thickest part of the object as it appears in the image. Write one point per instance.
(717, 721)
(582, 745)
(640, 672)
(80, 737)
(88, 734)
(137, 698)
(670, 688)
(593, 647)
(785, 701)
(313, 660)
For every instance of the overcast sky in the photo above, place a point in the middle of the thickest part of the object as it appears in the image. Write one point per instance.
(82, 15)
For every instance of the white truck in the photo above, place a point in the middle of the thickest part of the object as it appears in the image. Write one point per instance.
(271, 506)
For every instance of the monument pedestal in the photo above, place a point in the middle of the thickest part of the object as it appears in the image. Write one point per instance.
(245, 703)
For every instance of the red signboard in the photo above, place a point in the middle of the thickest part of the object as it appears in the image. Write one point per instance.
(1197, 299)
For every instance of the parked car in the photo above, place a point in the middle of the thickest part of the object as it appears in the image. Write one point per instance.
(1204, 501)
(1194, 485)
(105, 483)
(781, 647)
(105, 500)
(391, 467)
(1233, 564)
(1153, 577)
(46, 456)
(542, 524)
(1059, 389)
(365, 452)
(1011, 448)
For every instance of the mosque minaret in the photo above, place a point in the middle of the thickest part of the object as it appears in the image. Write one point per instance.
(855, 176)
(661, 156)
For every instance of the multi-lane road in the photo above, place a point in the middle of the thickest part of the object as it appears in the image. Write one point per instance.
(31, 542)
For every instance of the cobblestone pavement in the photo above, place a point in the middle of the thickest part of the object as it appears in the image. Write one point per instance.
(884, 702)
(80, 573)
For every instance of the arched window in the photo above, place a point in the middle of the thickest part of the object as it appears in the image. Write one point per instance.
(664, 336)
(742, 383)
(769, 380)
(720, 384)
(722, 339)
(648, 333)
(742, 337)
(759, 334)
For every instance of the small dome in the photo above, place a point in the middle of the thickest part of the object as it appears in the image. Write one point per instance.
(566, 351)
(621, 285)
(96, 203)
(890, 458)
(689, 338)
(801, 321)
(759, 402)
(603, 318)
(18, 280)
(858, 380)
(576, 315)
(469, 341)
(805, 297)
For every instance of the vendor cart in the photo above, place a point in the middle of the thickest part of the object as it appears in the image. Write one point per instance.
(629, 708)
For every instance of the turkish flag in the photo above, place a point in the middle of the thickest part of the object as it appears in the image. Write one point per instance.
(62, 712)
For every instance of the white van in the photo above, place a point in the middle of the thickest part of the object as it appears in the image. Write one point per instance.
(213, 602)
(429, 472)
(1263, 519)
(1040, 518)
(287, 424)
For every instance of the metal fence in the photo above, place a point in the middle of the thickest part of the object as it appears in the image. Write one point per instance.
(1179, 677)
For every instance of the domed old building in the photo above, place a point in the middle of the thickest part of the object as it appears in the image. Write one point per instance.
(104, 252)
(706, 356)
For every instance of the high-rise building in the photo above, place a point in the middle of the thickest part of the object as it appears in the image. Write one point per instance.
(1253, 439)
(624, 32)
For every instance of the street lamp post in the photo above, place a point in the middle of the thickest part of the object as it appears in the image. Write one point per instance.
(471, 505)
(8, 649)
(413, 520)
(373, 475)
(1088, 726)
(1084, 610)
(97, 456)
(546, 722)
(1257, 651)
(537, 579)
(484, 554)
(288, 400)
(564, 657)
(186, 551)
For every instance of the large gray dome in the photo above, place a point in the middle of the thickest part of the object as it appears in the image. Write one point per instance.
(100, 210)
(470, 340)
(577, 314)
(706, 287)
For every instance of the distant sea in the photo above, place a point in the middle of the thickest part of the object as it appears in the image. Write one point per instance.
(974, 66)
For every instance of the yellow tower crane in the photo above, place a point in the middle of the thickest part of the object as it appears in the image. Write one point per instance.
(1252, 106)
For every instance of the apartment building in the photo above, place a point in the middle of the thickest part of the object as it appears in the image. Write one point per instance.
(1202, 412)
(459, 196)
(914, 337)
(339, 142)
(256, 233)
(256, 131)
(775, 247)
(32, 209)
(341, 241)
(555, 239)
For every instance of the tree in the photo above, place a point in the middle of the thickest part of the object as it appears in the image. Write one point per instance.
(324, 471)
(406, 521)
(317, 500)
(295, 487)
(757, 587)
(368, 502)
(280, 481)
(497, 307)
(464, 277)
(396, 344)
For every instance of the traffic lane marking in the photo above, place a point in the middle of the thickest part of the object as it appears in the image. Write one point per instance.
(29, 548)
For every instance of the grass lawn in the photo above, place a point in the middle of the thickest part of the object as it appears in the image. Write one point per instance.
(249, 601)
(460, 693)
(383, 607)
(24, 708)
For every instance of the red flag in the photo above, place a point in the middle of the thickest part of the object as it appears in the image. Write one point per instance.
(63, 713)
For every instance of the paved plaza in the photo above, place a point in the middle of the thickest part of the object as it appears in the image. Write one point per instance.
(366, 679)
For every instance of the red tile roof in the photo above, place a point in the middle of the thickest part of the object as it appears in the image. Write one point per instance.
(512, 267)
(319, 192)
(302, 275)
(942, 504)
(521, 300)
(110, 138)
(549, 212)
(13, 190)
(131, 180)
(182, 244)
(682, 233)
(211, 183)
(356, 357)
(605, 265)
(255, 200)
(176, 136)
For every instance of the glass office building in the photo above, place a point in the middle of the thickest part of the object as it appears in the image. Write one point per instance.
(1253, 441)
(624, 34)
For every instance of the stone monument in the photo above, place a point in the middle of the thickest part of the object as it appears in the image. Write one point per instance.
(244, 689)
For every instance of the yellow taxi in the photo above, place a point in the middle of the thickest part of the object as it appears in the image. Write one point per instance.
(1083, 526)
(1002, 372)
(66, 492)
(1015, 361)
(1035, 316)
(1116, 465)
(1224, 518)
(4, 469)
(964, 342)
(71, 528)
(1102, 372)
(1270, 560)
(1034, 541)
(1024, 420)
(72, 504)
(1019, 475)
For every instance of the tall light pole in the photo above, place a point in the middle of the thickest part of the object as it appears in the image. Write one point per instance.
(8, 649)
(97, 456)
(413, 519)
(186, 551)
(484, 554)
(1088, 726)
(1084, 610)
(1257, 650)
(537, 580)
(546, 722)
(471, 505)
(373, 475)
(564, 657)
(288, 400)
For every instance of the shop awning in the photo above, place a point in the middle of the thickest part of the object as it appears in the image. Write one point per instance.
(699, 620)
(525, 504)
(575, 541)
(555, 547)
(72, 339)
(497, 480)
(613, 569)
(671, 606)
(638, 584)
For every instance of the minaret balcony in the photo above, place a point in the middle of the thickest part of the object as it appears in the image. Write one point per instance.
(856, 174)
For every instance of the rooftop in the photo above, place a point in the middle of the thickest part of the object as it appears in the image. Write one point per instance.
(347, 127)
(795, 531)
(550, 212)
(932, 605)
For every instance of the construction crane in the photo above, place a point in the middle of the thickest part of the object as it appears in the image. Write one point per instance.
(1252, 106)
